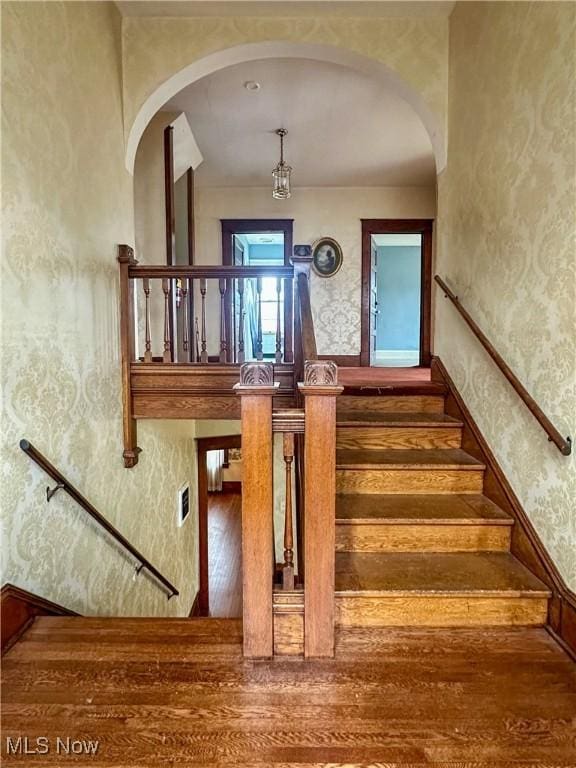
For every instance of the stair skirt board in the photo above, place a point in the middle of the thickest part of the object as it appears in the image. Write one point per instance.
(432, 536)
(464, 610)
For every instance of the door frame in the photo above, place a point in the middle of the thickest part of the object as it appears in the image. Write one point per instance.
(425, 227)
(231, 227)
(203, 445)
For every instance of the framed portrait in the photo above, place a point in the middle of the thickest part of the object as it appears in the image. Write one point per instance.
(326, 257)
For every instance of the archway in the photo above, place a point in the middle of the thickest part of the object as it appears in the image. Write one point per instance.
(282, 49)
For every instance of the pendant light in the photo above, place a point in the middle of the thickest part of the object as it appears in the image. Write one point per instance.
(281, 174)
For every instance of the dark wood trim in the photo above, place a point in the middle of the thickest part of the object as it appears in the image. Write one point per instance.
(526, 545)
(169, 194)
(62, 484)
(342, 361)
(564, 445)
(210, 272)
(229, 227)
(130, 432)
(203, 445)
(190, 208)
(231, 486)
(401, 226)
(195, 610)
(19, 608)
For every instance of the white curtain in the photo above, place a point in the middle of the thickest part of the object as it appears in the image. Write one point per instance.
(214, 461)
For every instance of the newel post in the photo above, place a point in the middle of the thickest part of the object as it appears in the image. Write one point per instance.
(301, 261)
(126, 260)
(256, 388)
(320, 389)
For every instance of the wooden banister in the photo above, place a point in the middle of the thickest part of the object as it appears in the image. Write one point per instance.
(63, 484)
(213, 272)
(564, 445)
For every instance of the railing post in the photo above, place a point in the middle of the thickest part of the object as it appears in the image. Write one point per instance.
(301, 261)
(256, 389)
(126, 260)
(320, 389)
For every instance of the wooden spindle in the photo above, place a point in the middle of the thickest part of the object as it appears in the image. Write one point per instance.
(197, 335)
(203, 352)
(259, 350)
(288, 568)
(223, 344)
(278, 321)
(167, 356)
(148, 340)
(241, 320)
(185, 329)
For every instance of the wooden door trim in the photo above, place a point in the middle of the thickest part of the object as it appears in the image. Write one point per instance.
(390, 226)
(203, 445)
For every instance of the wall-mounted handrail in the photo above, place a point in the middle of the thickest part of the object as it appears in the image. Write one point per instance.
(208, 272)
(564, 445)
(63, 484)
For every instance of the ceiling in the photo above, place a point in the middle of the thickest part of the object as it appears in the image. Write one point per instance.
(358, 8)
(344, 128)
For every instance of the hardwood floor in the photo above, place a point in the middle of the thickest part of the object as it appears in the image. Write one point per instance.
(225, 554)
(177, 692)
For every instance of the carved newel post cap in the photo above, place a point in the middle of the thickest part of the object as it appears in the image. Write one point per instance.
(258, 377)
(302, 253)
(321, 378)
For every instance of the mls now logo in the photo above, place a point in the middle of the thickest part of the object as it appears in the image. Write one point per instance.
(42, 745)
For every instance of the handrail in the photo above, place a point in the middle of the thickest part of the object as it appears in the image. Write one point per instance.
(208, 272)
(564, 445)
(306, 320)
(63, 484)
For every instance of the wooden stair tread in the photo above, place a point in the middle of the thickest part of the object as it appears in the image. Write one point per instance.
(411, 574)
(403, 419)
(438, 509)
(442, 458)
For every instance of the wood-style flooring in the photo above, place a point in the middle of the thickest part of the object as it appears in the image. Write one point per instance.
(171, 692)
(225, 554)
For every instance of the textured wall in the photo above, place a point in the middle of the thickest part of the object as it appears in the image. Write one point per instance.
(67, 203)
(157, 48)
(507, 243)
(326, 211)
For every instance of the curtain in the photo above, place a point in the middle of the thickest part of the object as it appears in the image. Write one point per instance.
(214, 462)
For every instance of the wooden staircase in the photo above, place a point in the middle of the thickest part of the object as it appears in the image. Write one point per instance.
(417, 542)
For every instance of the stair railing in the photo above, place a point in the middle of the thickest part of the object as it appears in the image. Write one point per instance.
(65, 485)
(564, 444)
(315, 460)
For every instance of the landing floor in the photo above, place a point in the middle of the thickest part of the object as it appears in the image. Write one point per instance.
(157, 693)
(225, 554)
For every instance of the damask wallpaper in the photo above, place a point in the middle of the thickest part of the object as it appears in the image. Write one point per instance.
(67, 202)
(507, 243)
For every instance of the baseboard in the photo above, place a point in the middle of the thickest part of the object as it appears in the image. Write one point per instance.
(526, 545)
(346, 361)
(195, 610)
(231, 486)
(19, 608)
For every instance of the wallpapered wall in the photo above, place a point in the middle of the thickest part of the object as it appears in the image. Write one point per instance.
(67, 203)
(157, 48)
(317, 212)
(507, 243)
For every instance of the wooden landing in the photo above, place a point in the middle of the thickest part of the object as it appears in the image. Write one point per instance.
(158, 693)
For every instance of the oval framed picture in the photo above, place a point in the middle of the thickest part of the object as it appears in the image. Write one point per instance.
(326, 257)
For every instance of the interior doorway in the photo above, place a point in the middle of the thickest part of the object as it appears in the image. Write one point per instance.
(265, 301)
(396, 292)
(220, 526)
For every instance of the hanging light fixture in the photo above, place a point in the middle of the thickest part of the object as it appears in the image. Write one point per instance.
(281, 174)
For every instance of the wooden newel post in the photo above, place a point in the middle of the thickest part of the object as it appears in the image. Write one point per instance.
(126, 260)
(256, 388)
(301, 261)
(320, 389)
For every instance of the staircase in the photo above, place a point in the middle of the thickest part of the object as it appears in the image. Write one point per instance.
(417, 542)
